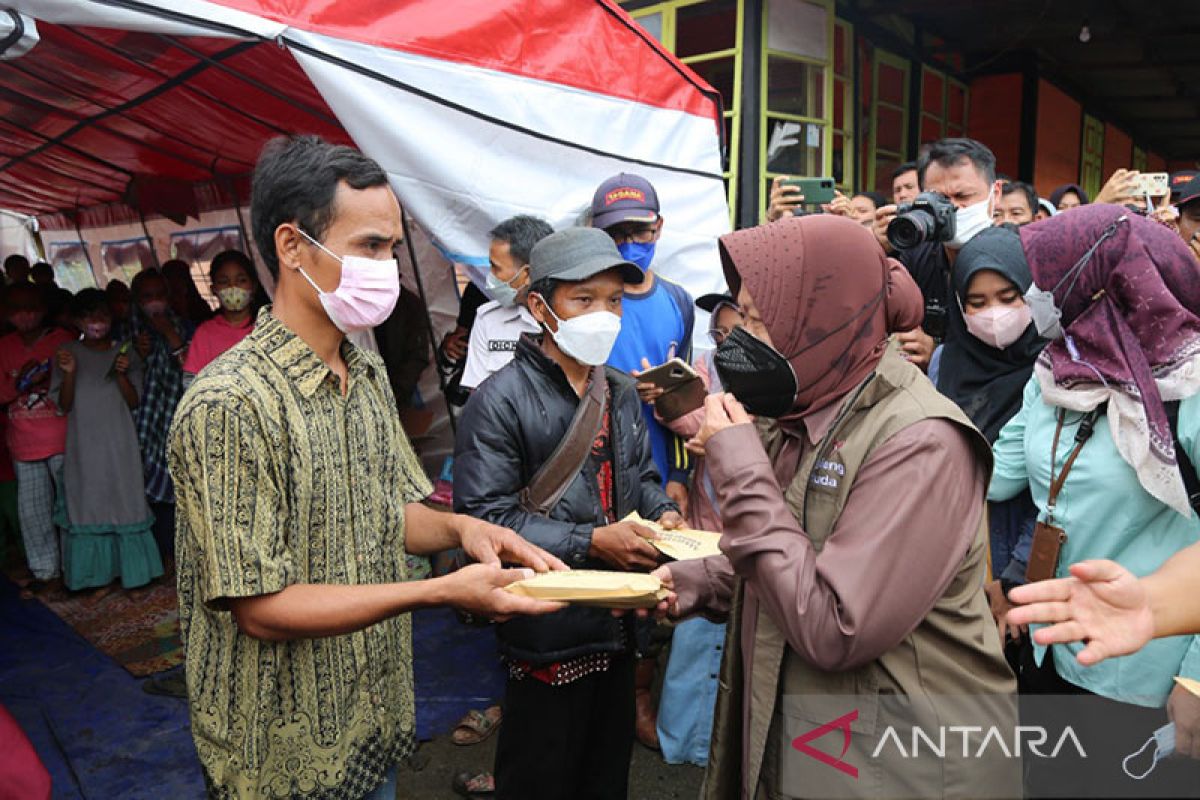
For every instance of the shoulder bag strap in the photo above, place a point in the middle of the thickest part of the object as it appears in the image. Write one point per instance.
(551, 480)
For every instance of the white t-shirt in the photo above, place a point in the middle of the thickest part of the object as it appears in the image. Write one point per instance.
(494, 340)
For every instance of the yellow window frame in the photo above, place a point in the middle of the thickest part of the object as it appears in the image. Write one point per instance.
(1091, 161)
(732, 112)
(765, 116)
(892, 60)
(847, 123)
(1139, 161)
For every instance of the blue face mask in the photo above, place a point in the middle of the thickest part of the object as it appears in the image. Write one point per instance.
(640, 254)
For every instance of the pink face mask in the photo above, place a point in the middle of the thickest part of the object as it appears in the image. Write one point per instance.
(367, 293)
(999, 326)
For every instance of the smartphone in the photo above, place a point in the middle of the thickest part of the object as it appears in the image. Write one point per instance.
(816, 191)
(1155, 184)
(669, 375)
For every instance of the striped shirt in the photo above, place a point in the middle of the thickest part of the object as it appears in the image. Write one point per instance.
(282, 480)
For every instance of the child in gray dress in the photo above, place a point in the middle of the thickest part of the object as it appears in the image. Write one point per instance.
(107, 519)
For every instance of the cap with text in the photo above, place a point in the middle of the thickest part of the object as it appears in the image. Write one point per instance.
(624, 198)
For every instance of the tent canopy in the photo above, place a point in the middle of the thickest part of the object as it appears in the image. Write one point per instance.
(477, 110)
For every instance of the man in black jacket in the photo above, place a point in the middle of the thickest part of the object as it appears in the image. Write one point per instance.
(569, 703)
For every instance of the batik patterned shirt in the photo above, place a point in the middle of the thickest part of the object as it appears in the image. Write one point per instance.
(282, 480)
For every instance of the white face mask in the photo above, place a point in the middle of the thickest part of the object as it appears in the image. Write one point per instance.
(1164, 745)
(970, 221)
(1045, 312)
(502, 291)
(366, 295)
(1047, 316)
(588, 338)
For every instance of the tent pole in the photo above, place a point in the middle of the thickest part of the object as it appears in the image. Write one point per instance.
(86, 254)
(150, 239)
(412, 257)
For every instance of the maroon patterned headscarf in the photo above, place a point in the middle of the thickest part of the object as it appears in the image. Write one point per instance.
(1130, 317)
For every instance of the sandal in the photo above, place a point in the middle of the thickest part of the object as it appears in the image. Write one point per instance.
(476, 726)
(467, 785)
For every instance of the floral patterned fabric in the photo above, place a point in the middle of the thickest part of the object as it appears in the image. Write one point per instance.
(282, 480)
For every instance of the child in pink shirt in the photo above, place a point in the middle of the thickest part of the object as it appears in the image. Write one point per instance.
(234, 284)
(37, 430)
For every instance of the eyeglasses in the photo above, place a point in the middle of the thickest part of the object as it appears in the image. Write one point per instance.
(718, 335)
(638, 233)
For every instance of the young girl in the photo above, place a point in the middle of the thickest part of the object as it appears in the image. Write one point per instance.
(108, 522)
(234, 284)
(161, 338)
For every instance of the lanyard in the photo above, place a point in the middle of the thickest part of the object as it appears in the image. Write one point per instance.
(1086, 426)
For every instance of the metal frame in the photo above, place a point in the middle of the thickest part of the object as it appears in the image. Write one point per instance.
(668, 10)
(848, 123)
(825, 121)
(886, 58)
(1091, 166)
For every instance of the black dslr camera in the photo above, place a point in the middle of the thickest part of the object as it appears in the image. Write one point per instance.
(928, 218)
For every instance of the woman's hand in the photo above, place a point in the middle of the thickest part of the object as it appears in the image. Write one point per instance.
(840, 205)
(1102, 603)
(784, 200)
(649, 392)
(721, 411)
(1120, 188)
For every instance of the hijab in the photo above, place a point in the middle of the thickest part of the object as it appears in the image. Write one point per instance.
(1129, 292)
(1057, 195)
(828, 297)
(987, 383)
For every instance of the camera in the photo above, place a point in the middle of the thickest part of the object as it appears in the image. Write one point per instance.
(928, 218)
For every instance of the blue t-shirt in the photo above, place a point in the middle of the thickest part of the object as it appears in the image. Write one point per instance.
(657, 326)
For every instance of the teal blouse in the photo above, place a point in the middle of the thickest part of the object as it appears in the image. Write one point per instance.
(1105, 513)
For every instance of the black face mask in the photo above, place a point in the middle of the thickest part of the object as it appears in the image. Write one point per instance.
(756, 374)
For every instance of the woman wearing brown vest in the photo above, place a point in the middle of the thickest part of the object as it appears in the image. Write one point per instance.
(854, 541)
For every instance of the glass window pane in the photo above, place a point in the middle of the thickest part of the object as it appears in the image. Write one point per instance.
(842, 153)
(795, 148)
(653, 24)
(840, 90)
(889, 129)
(956, 105)
(797, 27)
(931, 128)
(71, 269)
(125, 259)
(794, 87)
(891, 84)
(706, 28)
(932, 88)
(884, 167)
(719, 74)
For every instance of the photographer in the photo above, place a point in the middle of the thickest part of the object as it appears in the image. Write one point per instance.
(959, 192)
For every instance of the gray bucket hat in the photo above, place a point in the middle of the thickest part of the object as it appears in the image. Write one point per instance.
(576, 254)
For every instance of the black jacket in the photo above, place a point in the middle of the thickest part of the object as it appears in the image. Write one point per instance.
(509, 428)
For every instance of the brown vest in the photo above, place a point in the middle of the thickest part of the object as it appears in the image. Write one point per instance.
(954, 651)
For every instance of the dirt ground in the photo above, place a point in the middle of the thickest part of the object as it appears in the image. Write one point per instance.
(650, 778)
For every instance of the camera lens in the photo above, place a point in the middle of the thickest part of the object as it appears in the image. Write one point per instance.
(910, 229)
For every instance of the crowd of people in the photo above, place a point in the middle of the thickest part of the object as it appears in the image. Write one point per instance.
(90, 383)
(916, 413)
